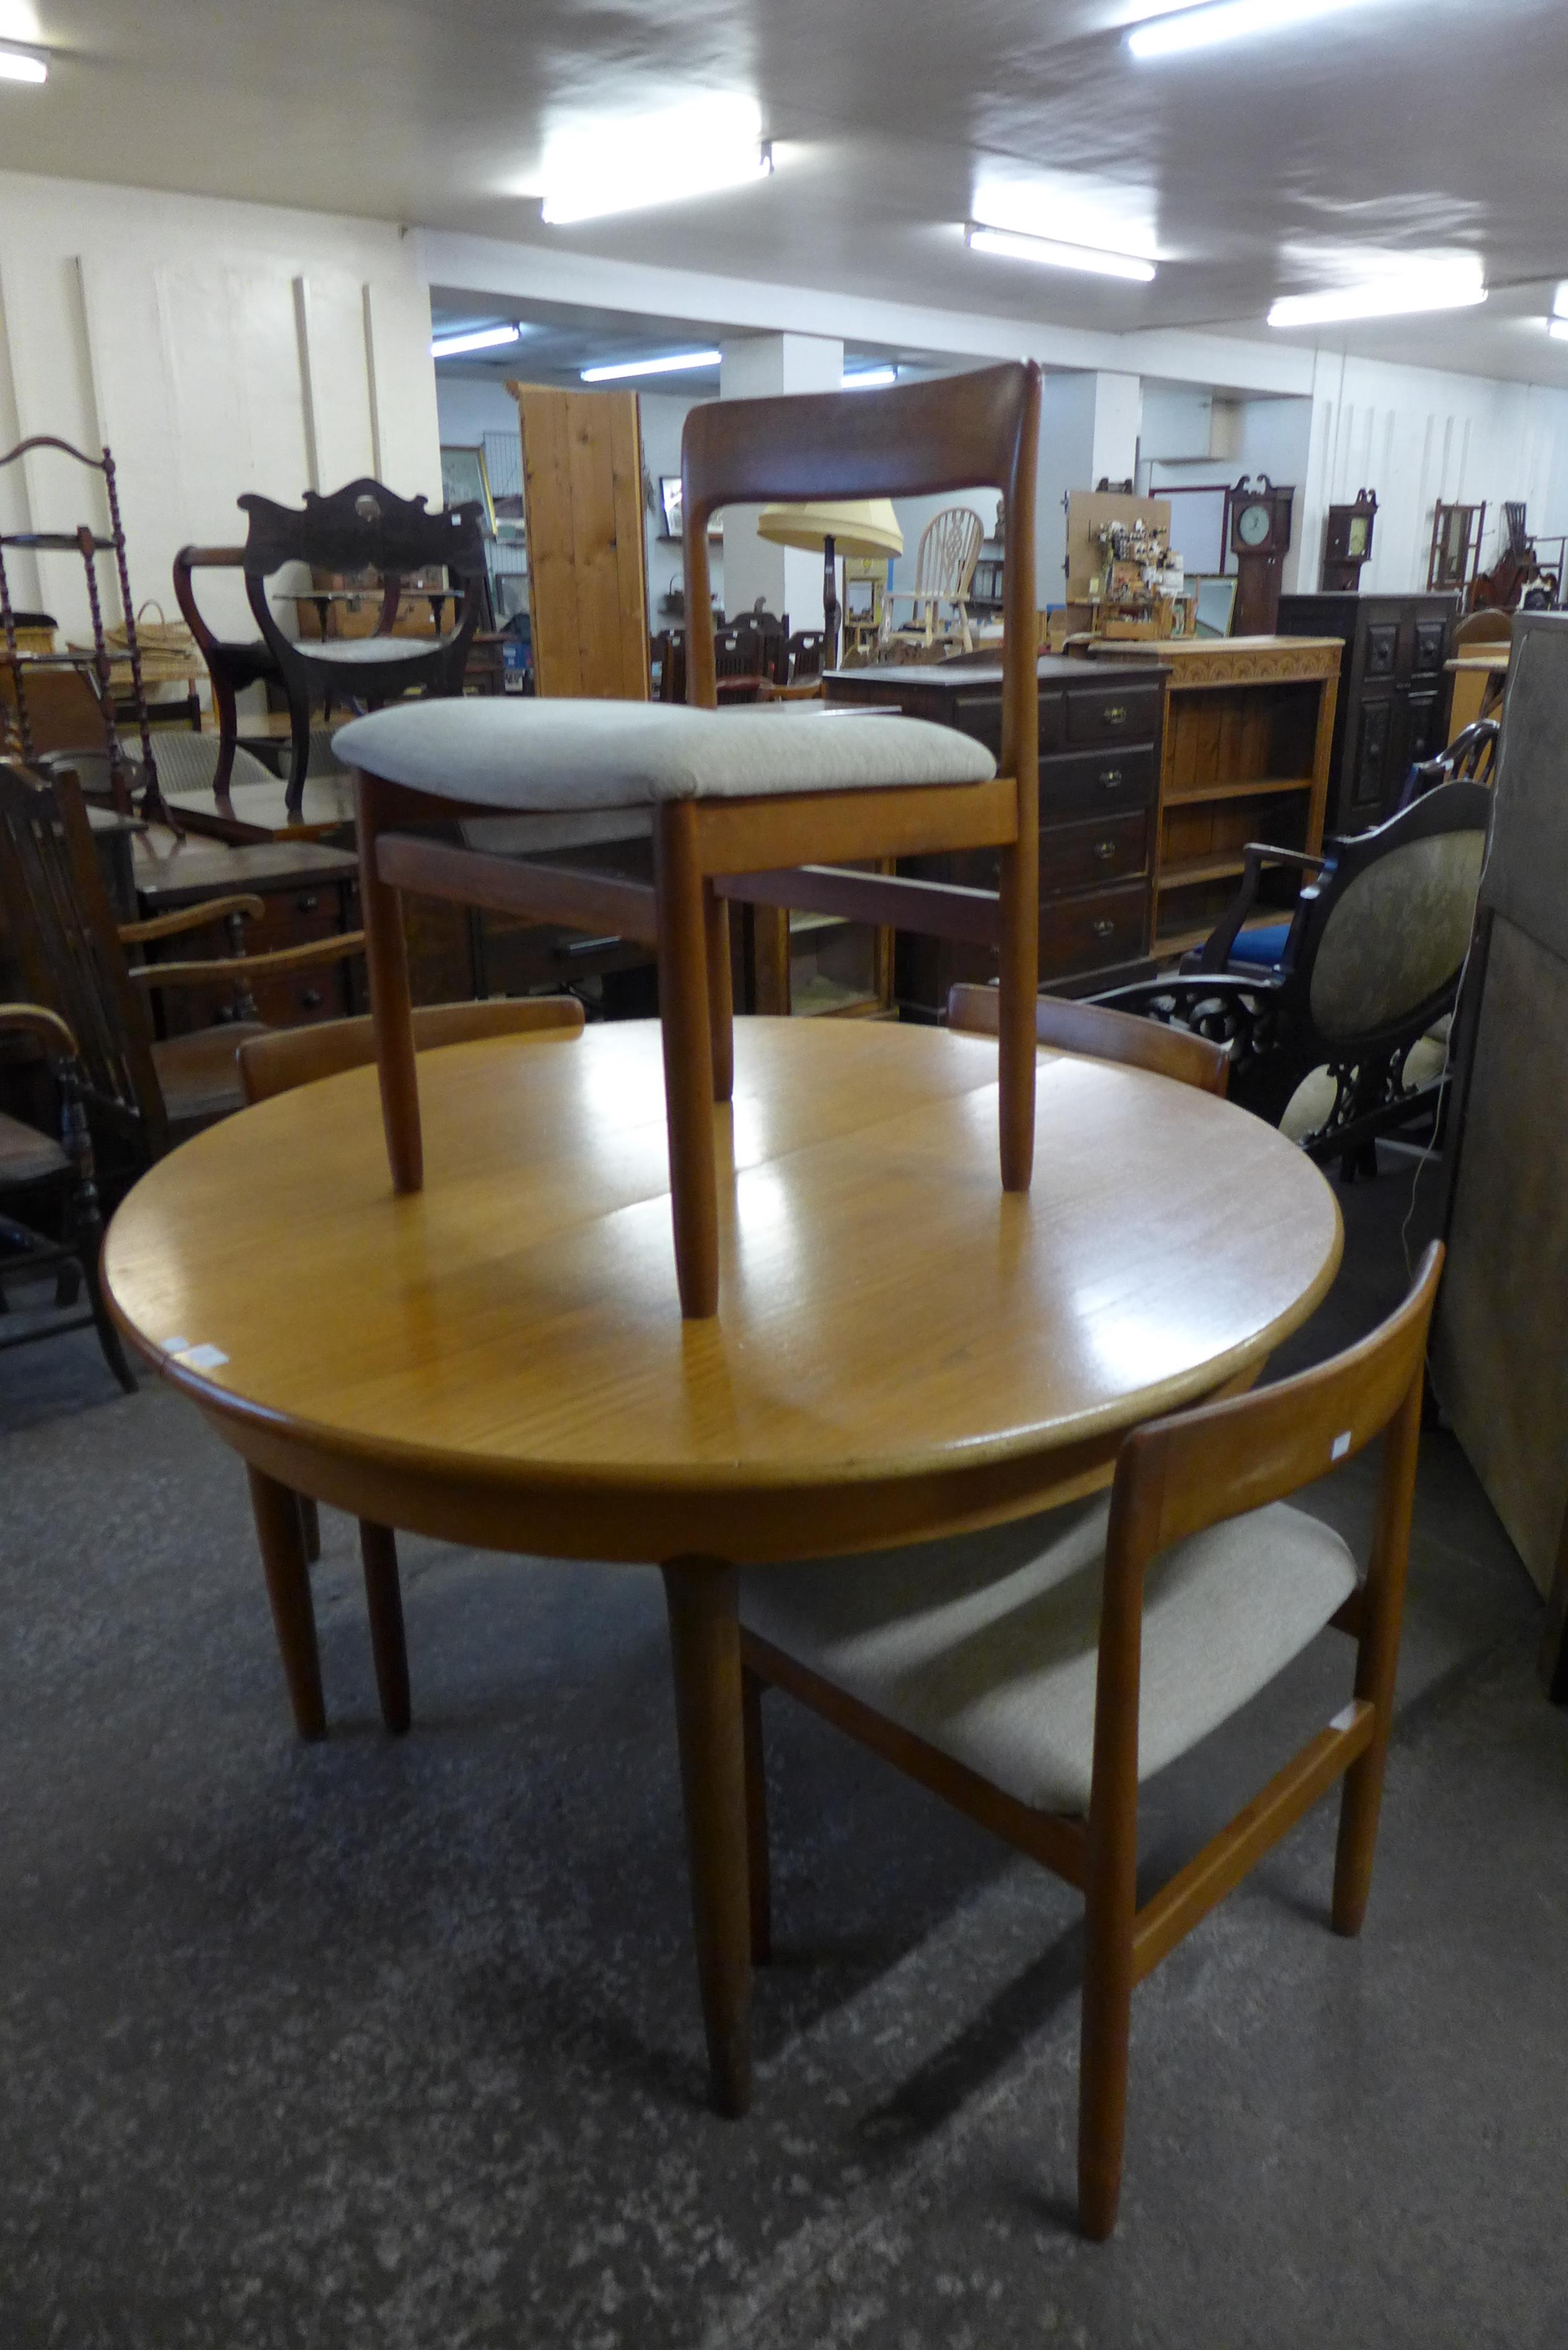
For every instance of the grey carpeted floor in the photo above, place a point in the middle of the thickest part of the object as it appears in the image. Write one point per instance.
(395, 2043)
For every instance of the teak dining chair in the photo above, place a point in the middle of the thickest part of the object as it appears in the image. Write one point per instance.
(276, 1063)
(748, 792)
(1034, 1677)
(1071, 1026)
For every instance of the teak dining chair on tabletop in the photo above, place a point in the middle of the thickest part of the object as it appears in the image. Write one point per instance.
(279, 1063)
(1036, 1675)
(747, 792)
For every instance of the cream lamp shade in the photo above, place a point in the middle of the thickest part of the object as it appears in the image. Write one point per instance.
(862, 527)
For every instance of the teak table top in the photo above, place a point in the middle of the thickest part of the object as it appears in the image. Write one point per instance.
(902, 1348)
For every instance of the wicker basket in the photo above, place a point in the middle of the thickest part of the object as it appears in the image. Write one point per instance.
(159, 636)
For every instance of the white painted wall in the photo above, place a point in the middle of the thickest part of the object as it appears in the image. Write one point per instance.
(787, 579)
(216, 347)
(1416, 436)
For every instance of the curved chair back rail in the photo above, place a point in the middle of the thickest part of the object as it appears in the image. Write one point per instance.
(1070, 1026)
(277, 1062)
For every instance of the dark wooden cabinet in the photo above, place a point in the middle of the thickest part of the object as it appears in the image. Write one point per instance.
(1390, 692)
(1100, 742)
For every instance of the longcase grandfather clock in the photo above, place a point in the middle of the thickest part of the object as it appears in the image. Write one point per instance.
(1259, 541)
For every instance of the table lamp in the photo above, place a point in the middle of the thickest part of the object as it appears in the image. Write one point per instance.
(861, 527)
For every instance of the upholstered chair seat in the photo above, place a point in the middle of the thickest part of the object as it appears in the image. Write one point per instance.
(985, 1645)
(557, 757)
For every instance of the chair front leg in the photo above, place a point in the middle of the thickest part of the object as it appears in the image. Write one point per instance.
(683, 1011)
(391, 1008)
(1108, 2017)
(1377, 1664)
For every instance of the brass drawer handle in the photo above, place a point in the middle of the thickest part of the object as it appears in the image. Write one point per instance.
(1114, 713)
(1105, 850)
(1111, 779)
(1104, 928)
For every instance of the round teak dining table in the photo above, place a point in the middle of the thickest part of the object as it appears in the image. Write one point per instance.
(903, 1351)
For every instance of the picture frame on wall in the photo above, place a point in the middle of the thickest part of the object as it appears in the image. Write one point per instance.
(464, 479)
(671, 507)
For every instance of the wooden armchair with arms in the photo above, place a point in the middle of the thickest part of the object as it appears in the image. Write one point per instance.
(33, 1163)
(741, 793)
(147, 1091)
(1370, 961)
(364, 526)
(1036, 1675)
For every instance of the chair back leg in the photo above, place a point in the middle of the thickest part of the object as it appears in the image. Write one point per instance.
(386, 964)
(720, 991)
(689, 1074)
(1376, 1662)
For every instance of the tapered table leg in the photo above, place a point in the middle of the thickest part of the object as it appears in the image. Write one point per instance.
(705, 1651)
(282, 1539)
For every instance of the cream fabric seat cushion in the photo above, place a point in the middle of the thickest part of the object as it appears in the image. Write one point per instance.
(556, 756)
(986, 1646)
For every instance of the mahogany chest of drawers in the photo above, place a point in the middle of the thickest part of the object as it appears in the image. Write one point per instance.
(1100, 739)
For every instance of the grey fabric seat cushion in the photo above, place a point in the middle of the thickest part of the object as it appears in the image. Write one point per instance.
(569, 755)
(986, 1645)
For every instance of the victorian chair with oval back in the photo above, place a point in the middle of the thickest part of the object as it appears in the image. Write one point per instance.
(362, 528)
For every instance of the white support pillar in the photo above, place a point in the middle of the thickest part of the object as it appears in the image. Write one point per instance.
(759, 367)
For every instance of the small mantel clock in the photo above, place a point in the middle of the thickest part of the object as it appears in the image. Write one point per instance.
(1348, 544)
(1259, 541)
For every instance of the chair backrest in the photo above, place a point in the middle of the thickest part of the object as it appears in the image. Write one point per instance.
(277, 1062)
(1380, 937)
(950, 549)
(365, 526)
(64, 935)
(1471, 757)
(803, 655)
(1486, 627)
(1102, 1035)
(582, 495)
(1177, 1475)
(974, 432)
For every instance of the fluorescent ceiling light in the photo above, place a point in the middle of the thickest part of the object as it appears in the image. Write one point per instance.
(481, 339)
(1226, 20)
(1051, 253)
(22, 64)
(868, 379)
(1558, 330)
(676, 365)
(1560, 301)
(1456, 288)
(623, 163)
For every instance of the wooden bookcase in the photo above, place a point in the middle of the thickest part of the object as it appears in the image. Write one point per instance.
(1249, 733)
